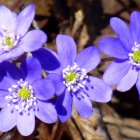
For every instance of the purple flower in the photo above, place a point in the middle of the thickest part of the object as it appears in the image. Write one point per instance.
(124, 71)
(72, 83)
(14, 39)
(24, 96)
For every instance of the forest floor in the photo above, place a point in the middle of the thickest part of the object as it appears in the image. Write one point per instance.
(87, 21)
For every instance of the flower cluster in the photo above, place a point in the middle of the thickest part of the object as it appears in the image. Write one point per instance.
(25, 93)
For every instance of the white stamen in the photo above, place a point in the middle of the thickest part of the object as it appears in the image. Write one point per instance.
(9, 39)
(14, 86)
(78, 81)
(136, 47)
(21, 104)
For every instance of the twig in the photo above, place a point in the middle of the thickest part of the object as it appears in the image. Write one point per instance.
(58, 131)
(79, 17)
(107, 59)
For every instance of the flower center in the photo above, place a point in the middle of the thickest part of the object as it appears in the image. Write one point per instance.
(24, 93)
(71, 76)
(134, 55)
(22, 97)
(8, 39)
(74, 77)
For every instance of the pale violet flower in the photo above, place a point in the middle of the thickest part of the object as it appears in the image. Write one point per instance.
(72, 84)
(24, 95)
(124, 72)
(14, 38)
